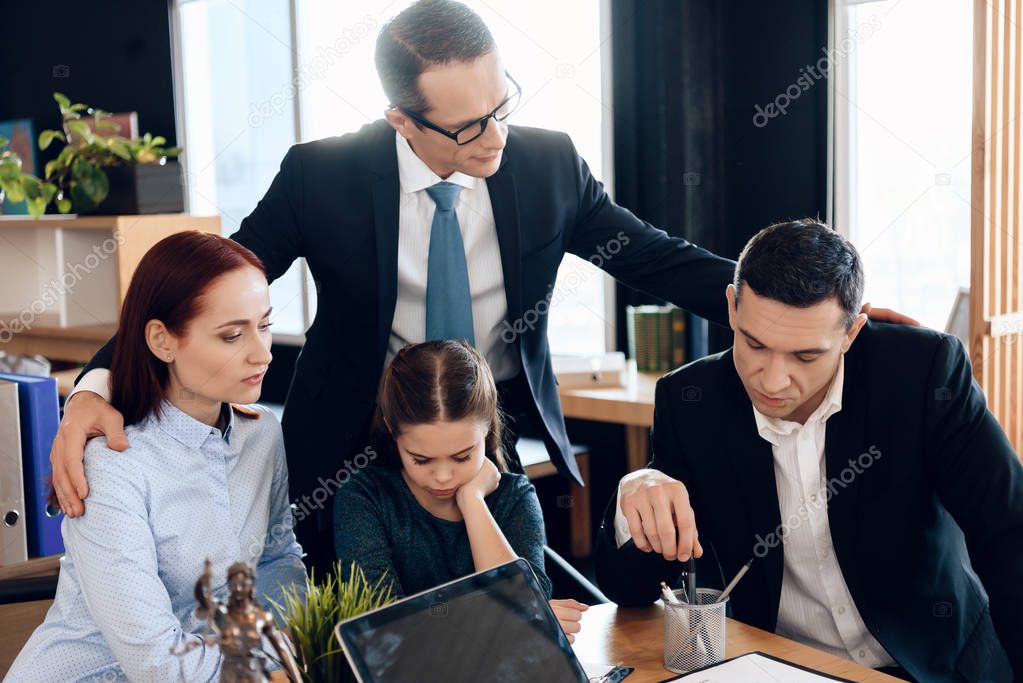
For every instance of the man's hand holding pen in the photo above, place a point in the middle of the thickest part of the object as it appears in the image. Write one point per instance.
(660, 518)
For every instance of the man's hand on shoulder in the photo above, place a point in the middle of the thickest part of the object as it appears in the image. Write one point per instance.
(86, 414)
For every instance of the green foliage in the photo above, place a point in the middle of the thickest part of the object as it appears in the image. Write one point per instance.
(75, 179)
(311, 617)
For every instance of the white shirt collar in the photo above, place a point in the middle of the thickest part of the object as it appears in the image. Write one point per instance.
(770, 428)
(414, 175)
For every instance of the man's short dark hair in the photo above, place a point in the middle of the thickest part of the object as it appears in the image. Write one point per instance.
(427, 33)
(802, 263)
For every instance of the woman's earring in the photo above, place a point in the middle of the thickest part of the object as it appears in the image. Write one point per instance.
(170, 359)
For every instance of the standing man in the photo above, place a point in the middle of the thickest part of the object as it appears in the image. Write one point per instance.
(440, 221)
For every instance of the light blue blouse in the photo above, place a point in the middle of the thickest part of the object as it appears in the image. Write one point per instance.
(182, 492)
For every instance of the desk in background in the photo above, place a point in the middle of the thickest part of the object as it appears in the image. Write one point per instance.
(631, 406)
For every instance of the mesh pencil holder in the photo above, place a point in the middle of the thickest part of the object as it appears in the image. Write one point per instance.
(694, 635)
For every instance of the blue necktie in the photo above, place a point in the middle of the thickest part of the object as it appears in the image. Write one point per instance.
(448, 300)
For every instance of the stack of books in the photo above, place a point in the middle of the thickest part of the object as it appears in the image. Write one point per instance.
(29, 414)
(657, 337)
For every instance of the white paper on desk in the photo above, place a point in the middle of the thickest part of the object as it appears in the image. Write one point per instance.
(753, 668)
(596, 670)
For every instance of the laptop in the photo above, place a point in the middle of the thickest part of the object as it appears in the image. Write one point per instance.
(493, 626)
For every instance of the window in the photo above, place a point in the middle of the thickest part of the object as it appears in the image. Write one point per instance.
(254, 80)
(902, 128)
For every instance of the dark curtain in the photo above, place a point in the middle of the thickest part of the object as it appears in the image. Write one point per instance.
(689, 158)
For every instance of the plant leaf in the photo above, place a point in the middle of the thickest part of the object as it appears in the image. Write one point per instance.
(48, 136)
(62, 101)
(120, 148)
(91, 185)
(64, 205)
(3, 141)
(51, 166)
(82, 129)
(13, 189)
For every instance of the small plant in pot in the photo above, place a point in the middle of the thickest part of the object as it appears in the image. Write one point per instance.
(310, 616)
(79, 179)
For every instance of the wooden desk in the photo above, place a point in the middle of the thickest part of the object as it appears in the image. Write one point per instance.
(632, 636)
(631, 406)
(635, 637)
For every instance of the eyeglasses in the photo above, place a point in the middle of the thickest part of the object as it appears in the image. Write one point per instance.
(468, 133)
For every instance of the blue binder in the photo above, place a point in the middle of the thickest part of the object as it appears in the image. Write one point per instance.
(40, 415)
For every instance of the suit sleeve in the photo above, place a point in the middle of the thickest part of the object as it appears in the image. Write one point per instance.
(644, 257)
(273, 230)
(980, 482)
(628, 576)
(100, 359)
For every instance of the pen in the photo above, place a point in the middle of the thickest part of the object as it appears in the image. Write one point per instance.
(728, 589)
(669, 595)
(691, 580)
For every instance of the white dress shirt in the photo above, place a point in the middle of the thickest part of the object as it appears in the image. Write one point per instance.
(482, 255)
(415, 219)
(815, 607)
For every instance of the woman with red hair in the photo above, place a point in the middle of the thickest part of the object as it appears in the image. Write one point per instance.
(204, 477)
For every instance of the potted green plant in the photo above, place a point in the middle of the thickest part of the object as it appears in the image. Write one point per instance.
(97, 171)
(310, 616)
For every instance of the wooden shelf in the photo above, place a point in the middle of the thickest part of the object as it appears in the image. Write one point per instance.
(80, 267)
(73, 221)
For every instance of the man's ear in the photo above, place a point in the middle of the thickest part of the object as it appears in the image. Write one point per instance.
(399, 122)
(730, 293)
(854, 331)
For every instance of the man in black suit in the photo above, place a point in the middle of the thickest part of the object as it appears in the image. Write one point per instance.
(359, 208)
(854, 462)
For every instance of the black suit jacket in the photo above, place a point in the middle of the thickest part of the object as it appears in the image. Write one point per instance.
(335, 202)
(929, 535)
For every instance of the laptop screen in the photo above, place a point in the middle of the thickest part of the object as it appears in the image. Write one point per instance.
(492, 626)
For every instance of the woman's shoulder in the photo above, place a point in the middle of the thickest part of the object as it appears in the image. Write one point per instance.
(256, 420)
(100, 456)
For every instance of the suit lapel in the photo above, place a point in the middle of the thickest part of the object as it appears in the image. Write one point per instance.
(844, 443)
(753, 469)
(504, 200)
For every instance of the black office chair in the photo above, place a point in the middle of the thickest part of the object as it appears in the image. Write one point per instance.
(567, 582)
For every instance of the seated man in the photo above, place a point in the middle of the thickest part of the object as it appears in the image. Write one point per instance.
(855, 461)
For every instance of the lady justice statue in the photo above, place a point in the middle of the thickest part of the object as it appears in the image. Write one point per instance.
(239, 626)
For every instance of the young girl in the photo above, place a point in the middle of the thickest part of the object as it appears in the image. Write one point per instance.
(437, 504)
(200, 479)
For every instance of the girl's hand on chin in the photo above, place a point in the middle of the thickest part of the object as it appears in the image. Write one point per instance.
(482, 485)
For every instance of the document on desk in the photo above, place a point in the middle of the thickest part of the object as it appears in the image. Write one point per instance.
(755, 667)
